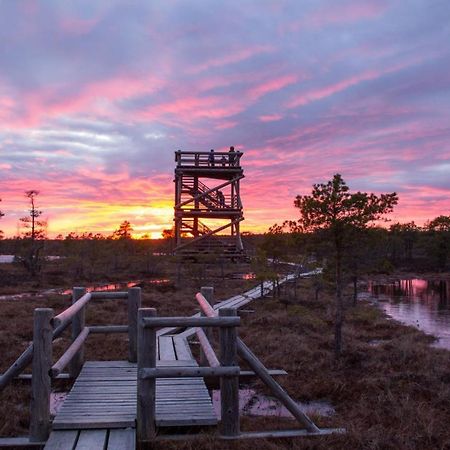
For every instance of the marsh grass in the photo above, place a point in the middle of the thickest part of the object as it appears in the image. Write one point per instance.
(393, 395)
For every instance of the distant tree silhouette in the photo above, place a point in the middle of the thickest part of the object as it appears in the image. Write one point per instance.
(331, 207)
(439, 229)
(403, 235)
(33, 235)
(124, 231)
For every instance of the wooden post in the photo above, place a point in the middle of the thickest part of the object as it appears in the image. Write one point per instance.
(229, 386)
(208, 293)
(146, 388)
(41, 382)
(134, 303)
(78, 323)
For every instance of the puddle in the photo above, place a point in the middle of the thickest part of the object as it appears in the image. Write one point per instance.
(56, 401)
(161, 281)
(91, 288)
(243, 276)
(8, 259)
(424, 304)
(252, 403)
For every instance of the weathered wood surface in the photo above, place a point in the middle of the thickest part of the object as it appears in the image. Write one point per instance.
(102, 439)
(18, 442)
(71, 311)
(78, 325)
(166, 348)
(189, 372)
(192, 321)
(134, 303)
(208, 352)
(104, 396)
(41, 382)
(229, 386)
(70, 353)
(147, 348)
(255, 364)
(25, 359)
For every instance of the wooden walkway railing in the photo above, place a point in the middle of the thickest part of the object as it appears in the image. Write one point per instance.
(47, 327)
(115, 394)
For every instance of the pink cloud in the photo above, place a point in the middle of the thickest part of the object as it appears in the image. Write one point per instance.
(96, 98)
(341, 13)
(270, 117)
(272, 85)
(327, 91)
(234, 57)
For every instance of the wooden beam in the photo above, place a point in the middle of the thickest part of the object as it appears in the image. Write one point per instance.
(229, 386)
(134, 303)
(109, 295)
(108, 329)
(191, 322)
(69, 354)
(41, 382)
(146, 388)
(255, 364)
(188, 372)
(78, 325)
(19, 442)
(209, 233)
(204, 194)
(207, 349)
(251, 435)
(25, 359)
(71, 311)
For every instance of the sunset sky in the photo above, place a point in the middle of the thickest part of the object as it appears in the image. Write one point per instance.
(95, 97)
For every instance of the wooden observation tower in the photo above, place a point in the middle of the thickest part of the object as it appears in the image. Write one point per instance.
(208, 202)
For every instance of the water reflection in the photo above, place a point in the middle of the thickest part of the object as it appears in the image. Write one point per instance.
(91, 288)
(420, 303)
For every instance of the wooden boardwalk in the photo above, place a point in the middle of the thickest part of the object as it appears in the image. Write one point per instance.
(100, 410)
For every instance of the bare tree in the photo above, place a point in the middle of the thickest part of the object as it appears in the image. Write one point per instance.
(34, 233)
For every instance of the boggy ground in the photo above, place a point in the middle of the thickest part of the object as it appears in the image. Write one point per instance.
(391, 390)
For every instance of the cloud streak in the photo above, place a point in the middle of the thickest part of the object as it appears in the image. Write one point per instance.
(96, 96)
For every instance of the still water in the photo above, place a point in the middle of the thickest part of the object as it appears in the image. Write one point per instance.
(421, 303)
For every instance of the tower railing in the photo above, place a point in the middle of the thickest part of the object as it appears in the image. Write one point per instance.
(218, 160)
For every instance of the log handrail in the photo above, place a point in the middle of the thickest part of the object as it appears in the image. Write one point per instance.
(63, 320)
(70, 352)
(155, 322)
(68, 314)
(228, 370)
(248, 356)
(208, 351)
(189, 372)
(24, 360)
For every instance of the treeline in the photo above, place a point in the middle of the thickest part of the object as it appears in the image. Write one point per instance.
(401, 246)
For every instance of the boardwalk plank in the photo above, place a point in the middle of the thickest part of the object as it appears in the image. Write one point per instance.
(96, 402)
(122, 439)
(166, 348)
(182, 349)
(61, 440)
(91, 440)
